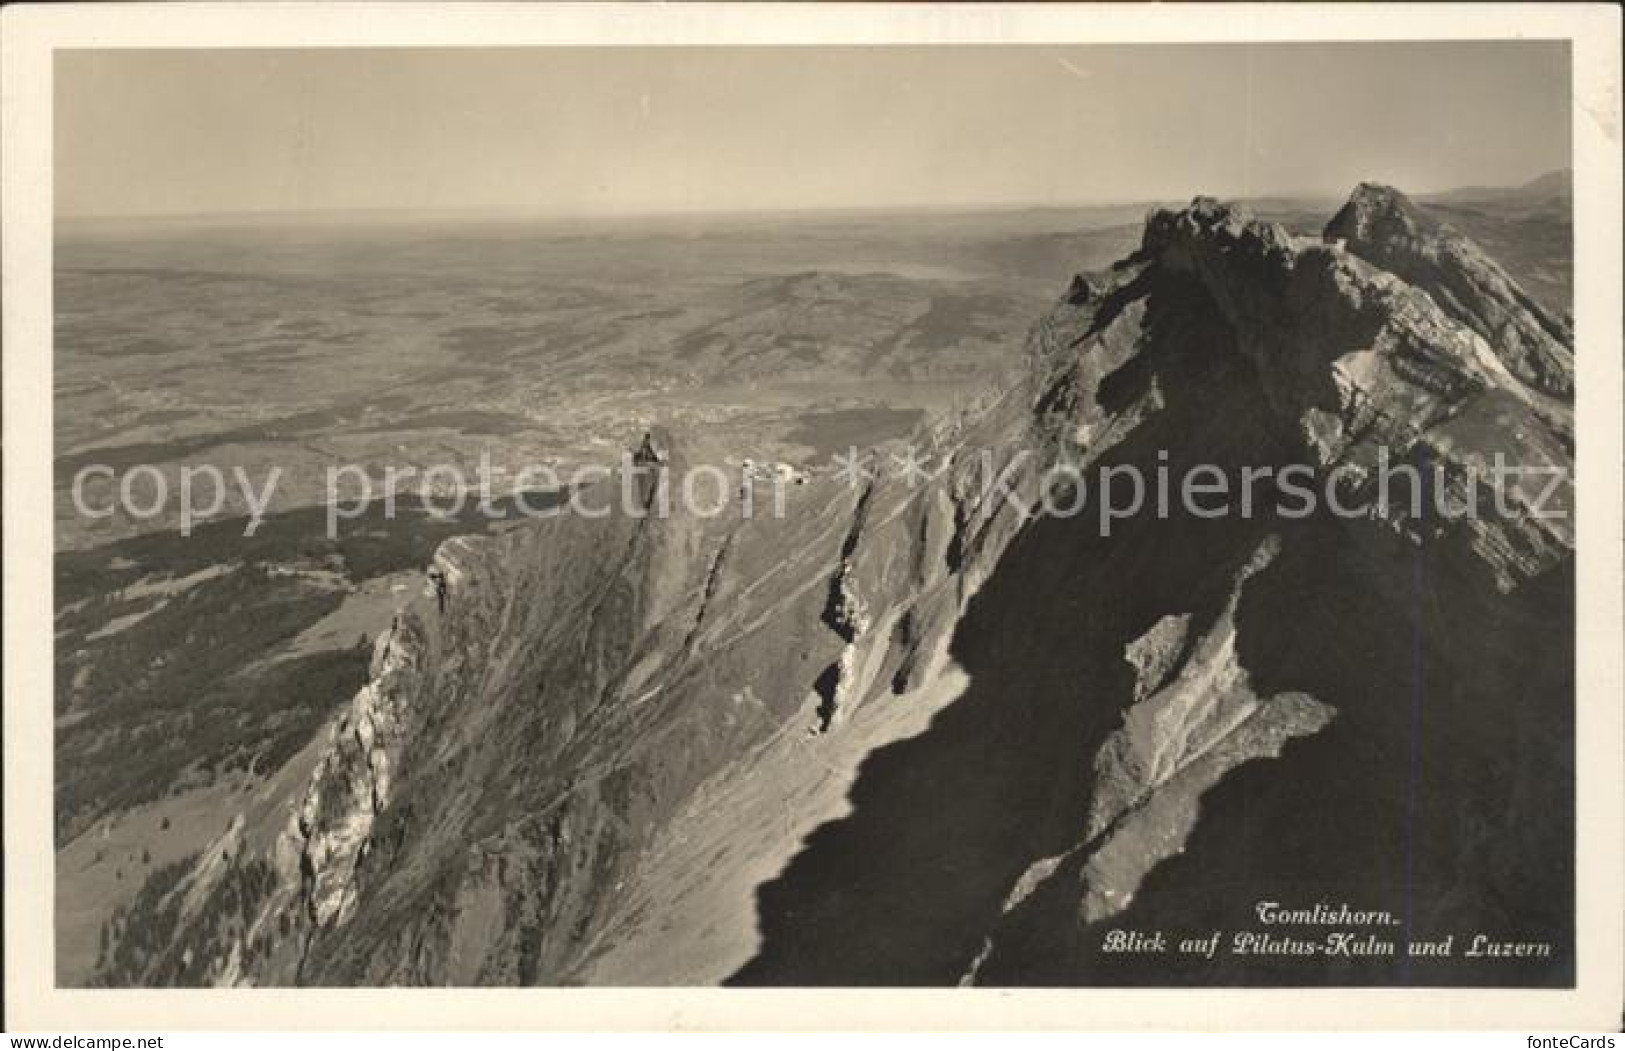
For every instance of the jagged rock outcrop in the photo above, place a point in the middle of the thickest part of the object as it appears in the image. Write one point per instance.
(1382, 226)
(353, 780)
(1178, 739)
(514, 797)
(602, 690)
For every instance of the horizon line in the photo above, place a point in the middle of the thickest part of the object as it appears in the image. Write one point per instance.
(335, 216)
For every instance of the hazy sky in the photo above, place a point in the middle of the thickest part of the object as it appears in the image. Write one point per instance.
(619, 131)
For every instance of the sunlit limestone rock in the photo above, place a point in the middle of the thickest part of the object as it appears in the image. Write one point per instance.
(533, 761)
(353, 780)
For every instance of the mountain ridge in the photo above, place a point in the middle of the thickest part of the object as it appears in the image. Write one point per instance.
(496, 806)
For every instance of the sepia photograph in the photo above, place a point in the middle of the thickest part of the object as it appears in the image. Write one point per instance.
(1079, 513)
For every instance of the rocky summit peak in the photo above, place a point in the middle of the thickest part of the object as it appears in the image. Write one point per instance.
(1208, 220)
(1382, 226)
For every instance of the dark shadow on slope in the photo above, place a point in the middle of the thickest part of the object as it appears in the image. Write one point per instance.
(902, 891)
(1443, 791)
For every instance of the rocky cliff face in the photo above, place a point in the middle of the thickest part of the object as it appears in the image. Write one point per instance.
(579, 764)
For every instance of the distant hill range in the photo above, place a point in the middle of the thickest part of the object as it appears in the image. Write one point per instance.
(1528, 229)
(1557, 186)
